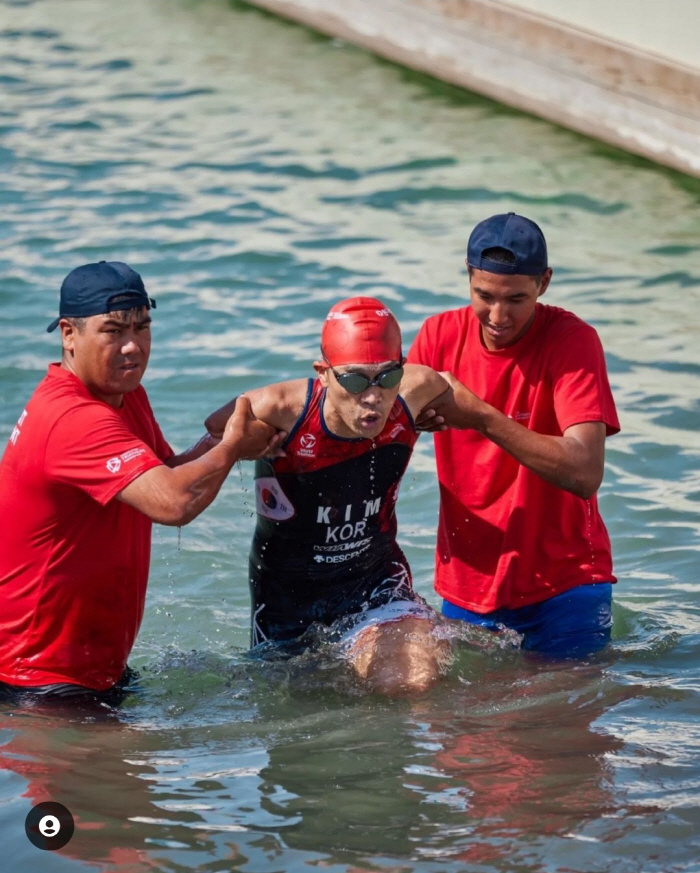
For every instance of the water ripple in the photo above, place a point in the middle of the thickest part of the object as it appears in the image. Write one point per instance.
(255, 173)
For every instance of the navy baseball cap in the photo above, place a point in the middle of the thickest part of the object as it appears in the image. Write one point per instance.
(518, 235)
(94, 289)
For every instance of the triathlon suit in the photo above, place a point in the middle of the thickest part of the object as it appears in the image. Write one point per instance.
(325, 540)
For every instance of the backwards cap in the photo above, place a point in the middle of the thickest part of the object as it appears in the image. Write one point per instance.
(519, 235)
(94, 289)
(360, 330)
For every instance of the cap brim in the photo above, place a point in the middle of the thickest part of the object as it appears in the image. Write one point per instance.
(53, 325)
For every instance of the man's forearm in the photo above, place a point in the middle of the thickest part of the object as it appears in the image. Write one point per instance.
(177, 492)
(176, 495)
(197, 482)
(560, 460)
(573, 464)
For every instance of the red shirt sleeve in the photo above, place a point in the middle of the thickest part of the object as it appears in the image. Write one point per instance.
(93, 449)
(580, 380)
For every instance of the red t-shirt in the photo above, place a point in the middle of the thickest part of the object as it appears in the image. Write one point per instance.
(507, 538)
(73, 560)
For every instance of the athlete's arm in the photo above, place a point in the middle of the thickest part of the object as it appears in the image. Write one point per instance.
(208, 440)
(176, 495)
(573, 461)
(278, 405)
(201, 447)
(421, 386)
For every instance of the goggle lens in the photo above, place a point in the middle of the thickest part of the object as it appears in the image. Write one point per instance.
(356, 383)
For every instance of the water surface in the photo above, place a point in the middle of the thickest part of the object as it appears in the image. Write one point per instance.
(255, 173)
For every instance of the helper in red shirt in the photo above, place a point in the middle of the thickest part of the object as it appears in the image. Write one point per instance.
(75, 560)
(521, 543)
(85, 473)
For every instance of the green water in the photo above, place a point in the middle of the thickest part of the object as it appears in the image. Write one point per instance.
(255, 173)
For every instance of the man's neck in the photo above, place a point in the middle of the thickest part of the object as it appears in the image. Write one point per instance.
(116, 401)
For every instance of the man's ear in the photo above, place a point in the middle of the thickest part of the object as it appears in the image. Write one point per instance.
(322, 372)
(68, 332)
(546, 279)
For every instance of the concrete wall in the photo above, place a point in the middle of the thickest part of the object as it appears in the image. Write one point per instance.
(606, 68)
(669, 29)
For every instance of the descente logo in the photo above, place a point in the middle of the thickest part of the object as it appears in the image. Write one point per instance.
(114, 465)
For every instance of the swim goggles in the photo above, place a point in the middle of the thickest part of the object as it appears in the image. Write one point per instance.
(356, 383)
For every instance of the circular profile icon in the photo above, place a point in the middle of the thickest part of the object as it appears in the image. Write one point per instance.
(49, 826)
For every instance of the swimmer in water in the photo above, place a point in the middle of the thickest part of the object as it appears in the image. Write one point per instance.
(324, 549)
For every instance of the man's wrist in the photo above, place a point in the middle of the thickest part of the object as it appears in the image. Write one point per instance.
(484, 417)
(225, 453)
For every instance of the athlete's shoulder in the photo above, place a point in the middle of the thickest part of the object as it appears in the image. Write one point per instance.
(281, 403)
(291, 394)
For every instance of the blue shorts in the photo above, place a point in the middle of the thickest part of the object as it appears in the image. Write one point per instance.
(570, 625)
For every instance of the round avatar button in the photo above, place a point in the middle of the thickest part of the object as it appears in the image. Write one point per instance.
(49, 826)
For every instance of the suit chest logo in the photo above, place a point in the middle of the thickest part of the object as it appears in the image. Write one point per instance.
(307, 444)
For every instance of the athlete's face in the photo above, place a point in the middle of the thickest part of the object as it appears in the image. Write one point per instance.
(504, 304)
(109, 355)
(356, 415)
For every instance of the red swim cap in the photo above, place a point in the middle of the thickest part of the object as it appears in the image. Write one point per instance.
(360, 330)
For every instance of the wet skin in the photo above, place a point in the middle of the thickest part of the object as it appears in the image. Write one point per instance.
(356, 415)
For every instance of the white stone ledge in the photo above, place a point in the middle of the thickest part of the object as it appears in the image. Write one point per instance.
(629, 98)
